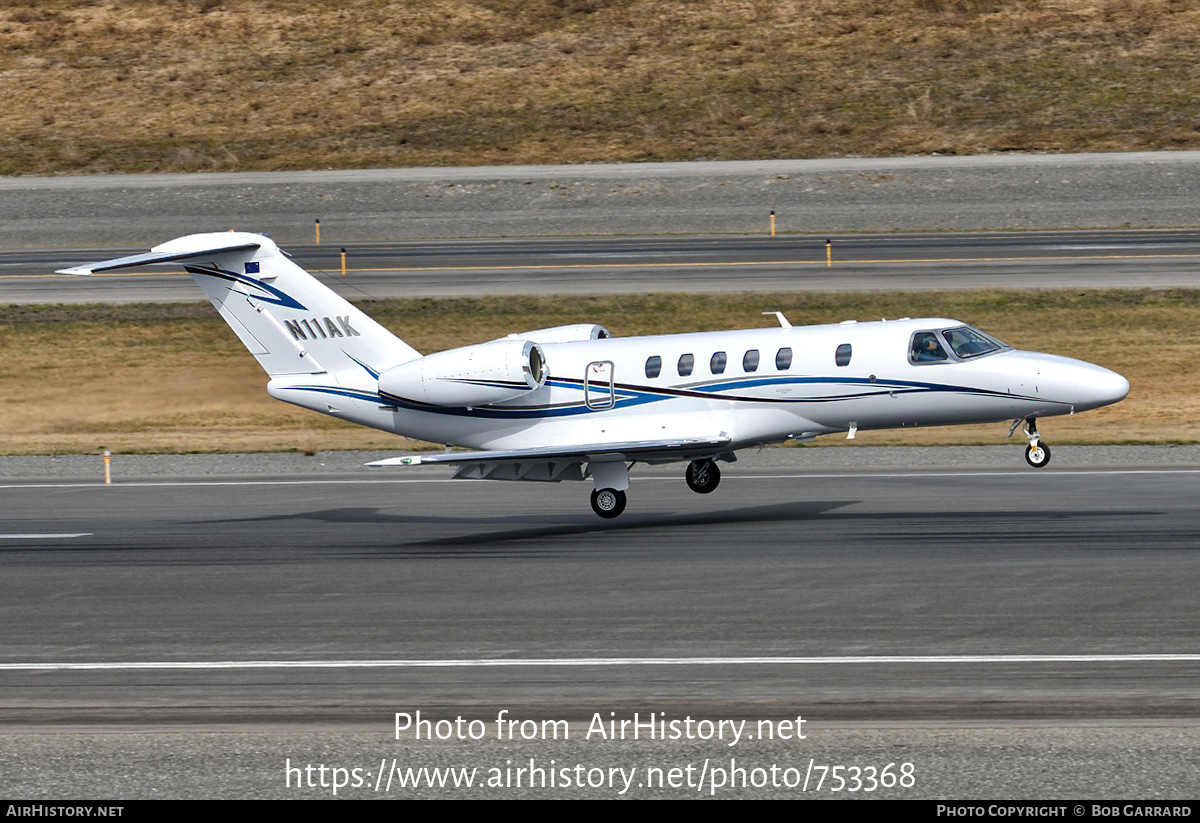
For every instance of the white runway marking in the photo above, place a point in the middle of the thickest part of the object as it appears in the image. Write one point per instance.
(43, 536)
(582, 662)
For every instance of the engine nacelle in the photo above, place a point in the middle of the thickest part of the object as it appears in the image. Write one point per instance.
(471, 376)
(565, 334)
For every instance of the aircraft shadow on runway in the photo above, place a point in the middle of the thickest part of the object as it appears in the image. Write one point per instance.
(559, 525)
(473, 535)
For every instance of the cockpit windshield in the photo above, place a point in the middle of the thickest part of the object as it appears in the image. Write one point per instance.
(967, 342)
(964, 342)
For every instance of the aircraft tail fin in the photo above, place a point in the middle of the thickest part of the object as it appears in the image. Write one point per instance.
(293, 324)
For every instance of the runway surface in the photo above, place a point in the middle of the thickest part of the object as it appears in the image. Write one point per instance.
(873, 262)
(913, 599)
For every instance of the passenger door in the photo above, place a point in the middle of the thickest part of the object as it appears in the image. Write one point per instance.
(598, 390)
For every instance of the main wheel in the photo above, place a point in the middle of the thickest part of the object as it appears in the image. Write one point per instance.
(702, 476)
(608, 503)
(1037, 456)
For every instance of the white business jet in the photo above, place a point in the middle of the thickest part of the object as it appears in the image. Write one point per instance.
(571, 402)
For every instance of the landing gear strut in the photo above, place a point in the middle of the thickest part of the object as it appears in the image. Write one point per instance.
(702, 476)
(1037, 453)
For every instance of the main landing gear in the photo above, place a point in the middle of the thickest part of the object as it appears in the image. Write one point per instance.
(702, 476)
(612, 479)
(1037, 453)
(608, 503)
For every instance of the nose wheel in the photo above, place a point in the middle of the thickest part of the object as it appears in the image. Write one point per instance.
(1037, 454)
(702, 476)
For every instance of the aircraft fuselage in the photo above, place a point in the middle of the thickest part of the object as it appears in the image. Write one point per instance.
(755, 386)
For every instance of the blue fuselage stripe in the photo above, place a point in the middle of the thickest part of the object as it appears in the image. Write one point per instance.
(628, 396)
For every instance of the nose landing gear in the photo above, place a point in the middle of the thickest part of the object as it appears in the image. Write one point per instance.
(1037, 453)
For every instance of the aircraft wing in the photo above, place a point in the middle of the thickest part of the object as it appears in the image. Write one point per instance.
(555, 463)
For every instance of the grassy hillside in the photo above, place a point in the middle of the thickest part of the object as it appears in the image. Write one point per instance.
(193, 85)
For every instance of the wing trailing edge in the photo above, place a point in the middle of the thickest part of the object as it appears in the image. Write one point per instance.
(555, 463)
(592, 452)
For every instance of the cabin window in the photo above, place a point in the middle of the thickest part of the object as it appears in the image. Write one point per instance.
(841, 357)
(687, 362)
(717, 364)
(750, 361)
(926, 348)
(653, 366)
(783, 359)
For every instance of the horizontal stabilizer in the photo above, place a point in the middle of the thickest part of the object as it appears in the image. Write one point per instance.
(631, 450)
(152, 257)
(292, 323)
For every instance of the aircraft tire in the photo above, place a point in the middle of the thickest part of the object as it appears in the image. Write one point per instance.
(702, 479)
(1037, 457)
(608, 503)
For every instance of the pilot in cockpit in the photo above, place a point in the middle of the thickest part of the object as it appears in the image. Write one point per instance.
(927, 349)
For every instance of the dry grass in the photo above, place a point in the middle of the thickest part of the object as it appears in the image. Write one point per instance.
(173, 378)
(191, 85)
